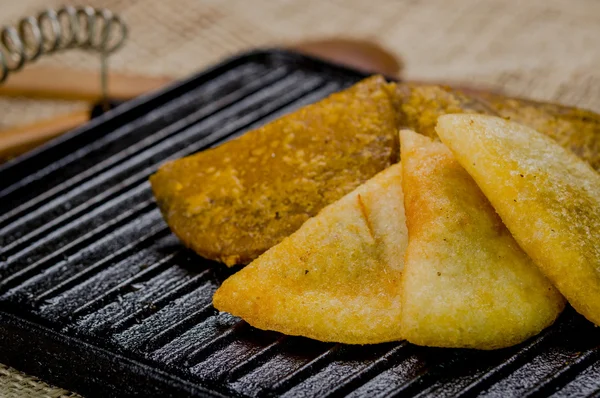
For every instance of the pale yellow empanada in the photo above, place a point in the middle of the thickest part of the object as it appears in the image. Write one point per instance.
(466, 283)
(335, 279)
(547, 197)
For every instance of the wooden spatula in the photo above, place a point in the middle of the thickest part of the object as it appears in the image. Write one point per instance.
(83, 85)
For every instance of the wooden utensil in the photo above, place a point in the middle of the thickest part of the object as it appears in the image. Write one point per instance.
(17, 140)
(64, 84)
(68, 84)
(40, 82)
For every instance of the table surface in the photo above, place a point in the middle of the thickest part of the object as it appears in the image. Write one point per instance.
(541, 49)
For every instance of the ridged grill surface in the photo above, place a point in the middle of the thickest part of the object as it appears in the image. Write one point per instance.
(98, 296)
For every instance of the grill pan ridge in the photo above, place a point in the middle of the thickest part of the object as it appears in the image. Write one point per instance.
(97, 296)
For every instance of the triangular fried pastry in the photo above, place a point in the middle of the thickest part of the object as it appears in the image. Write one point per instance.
(235, 201)
(547, 197)
(466, 283)
(335, 279)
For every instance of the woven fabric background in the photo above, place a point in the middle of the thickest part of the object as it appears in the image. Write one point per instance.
(14, 384)
(541, 49)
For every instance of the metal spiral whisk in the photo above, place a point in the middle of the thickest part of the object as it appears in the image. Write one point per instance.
(52, 30)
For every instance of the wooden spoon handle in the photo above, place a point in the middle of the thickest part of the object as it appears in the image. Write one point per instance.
(38, 82)
(43, 82)
(18, 140)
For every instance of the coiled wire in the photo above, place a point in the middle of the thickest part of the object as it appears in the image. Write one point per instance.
(54, 30)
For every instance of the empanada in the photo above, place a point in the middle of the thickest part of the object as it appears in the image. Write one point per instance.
(233, 202)
(466, 283)
(547, 197)
(335, 279)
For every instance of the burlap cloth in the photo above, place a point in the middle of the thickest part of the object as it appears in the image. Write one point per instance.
(542, 49)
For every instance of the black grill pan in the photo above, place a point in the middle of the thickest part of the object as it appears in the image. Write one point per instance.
(97, 296)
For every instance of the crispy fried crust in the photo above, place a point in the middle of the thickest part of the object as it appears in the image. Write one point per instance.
(420, 105)
(234, 202)
(576, 129)
(466, 283)
(547, 197)
(335, 279)
(573, 128)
